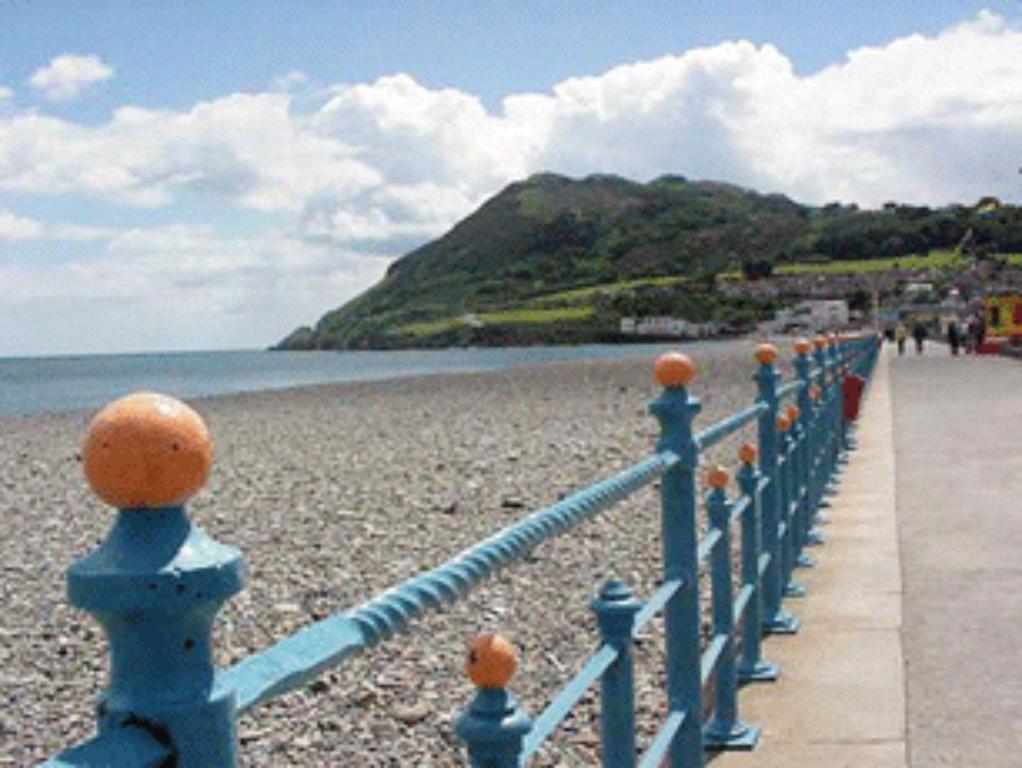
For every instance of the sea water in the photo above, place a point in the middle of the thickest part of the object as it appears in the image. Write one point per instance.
(32, 385)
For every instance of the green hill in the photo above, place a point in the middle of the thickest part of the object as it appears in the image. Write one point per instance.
(552, 259)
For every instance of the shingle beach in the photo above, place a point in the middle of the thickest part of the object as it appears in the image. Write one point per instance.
(335, 493)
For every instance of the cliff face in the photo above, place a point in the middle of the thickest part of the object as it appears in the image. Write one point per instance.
(531, 264)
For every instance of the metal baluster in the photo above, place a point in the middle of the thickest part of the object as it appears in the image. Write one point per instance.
(675, 410)
(156, 582)
(824, 404)
(808, 426)
(788, 545)
(725, 730)
(836, 415)
(751, 666)
(615, 613)
(494, 727)
(816, 467)
(799, 470)
(776, 620)
(847, 355)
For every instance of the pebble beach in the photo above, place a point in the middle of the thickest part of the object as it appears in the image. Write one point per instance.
(337, 492)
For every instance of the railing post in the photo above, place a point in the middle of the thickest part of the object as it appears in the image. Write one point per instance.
(836, 416)
(751, 666)
(834, 392)
(854, 355)
(156, 582)
(494, 726)
(805, 406)
(776, 620)
(816, 462)
(808, 424)
(725, 730)
(799, 514)
(846, 354)
(788, 554)
(675, 410)
(826, 418)
(615, 613)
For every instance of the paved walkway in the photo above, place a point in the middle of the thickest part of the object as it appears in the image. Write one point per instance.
(958, 439)
(910, 654)
(840, 702)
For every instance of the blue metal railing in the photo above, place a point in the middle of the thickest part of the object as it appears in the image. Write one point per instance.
(157, 581)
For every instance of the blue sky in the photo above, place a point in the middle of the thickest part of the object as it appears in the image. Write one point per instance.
(174, 54)
(192, 175)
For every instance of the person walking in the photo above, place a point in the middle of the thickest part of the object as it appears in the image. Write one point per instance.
(919, 334)
(954, 337)
(977, 333)
(900, 334)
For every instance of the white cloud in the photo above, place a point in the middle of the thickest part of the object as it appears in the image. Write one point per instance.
(380, 167)
(413, 134)
(14, 227)
(928, 119)
(5, 93)
(177, 287)
(293, 79)
(67, 76)
(245, 149)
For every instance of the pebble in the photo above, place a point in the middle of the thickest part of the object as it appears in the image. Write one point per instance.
(412, 713)
(335, 493)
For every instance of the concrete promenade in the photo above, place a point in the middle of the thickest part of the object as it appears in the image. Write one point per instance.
(958, 441)
(910, 654)
(840, 701)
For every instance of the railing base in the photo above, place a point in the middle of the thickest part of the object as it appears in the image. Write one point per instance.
(795, 589)
(782, 623)
(763, 672)
(739, 736)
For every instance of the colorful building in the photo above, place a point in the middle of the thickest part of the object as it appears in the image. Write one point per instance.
(1003, 316)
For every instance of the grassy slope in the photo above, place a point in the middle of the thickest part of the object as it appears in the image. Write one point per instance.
(551, 242)
(551, 255)
(508, 317)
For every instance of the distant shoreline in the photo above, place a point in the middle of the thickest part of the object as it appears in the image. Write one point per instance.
(39, 386)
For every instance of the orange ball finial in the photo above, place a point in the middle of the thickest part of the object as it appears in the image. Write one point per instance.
(491, 661)
(803, 346)
(748, 453)
(717, 477)
(147, 451)
(766, 353)
(674, 369)
(792, 413)
(783, 423)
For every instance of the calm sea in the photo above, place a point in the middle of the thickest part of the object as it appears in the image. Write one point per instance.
(52, 384)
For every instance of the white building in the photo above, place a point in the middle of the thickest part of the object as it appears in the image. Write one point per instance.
(809, 316)
(657, 326)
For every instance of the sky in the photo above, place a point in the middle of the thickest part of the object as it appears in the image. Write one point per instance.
(194, 175)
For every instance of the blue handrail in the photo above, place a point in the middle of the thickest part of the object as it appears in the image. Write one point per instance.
(806, 448)
(776, 509)
(294, 661)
